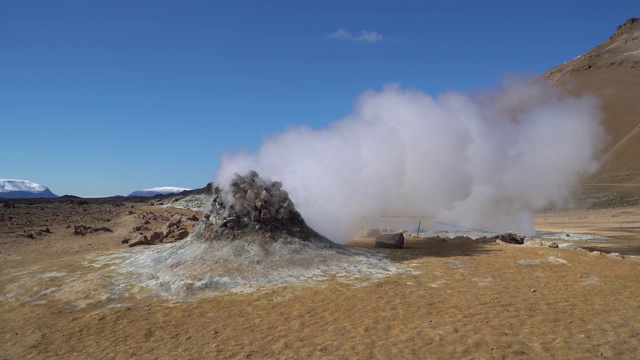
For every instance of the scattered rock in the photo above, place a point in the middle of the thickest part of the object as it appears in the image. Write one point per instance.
(139, 239)
(7, 205)
(81, 230)
(124, 241)
(193, 218)
(390, 241)
(552, 245)
(84, 230)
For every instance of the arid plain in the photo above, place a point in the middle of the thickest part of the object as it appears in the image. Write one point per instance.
(461, 299)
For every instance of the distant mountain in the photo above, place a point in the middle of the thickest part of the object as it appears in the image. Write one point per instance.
(22, 189)
(611, 71)
(159, 191)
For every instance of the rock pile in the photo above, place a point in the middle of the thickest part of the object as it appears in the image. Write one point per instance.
(251, 206)
(167, 226)
(260, 200)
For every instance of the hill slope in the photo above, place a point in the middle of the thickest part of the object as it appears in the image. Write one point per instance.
(611, 71)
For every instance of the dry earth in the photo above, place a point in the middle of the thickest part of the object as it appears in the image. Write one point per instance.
(463, 300)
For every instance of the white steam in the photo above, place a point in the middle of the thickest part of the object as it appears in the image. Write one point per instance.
(485, 161)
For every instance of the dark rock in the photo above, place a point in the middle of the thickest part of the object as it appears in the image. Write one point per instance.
(181, 234)
(390, 241)
(156, 236)
(124, 241)
(103, 228)
(81, 230)
(510, 238)
(193, 218)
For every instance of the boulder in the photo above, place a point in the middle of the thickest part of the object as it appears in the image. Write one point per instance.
(390, 241)
(139, 239)
(156, 236)
(174, 222)
(510, 238)
(181, 234)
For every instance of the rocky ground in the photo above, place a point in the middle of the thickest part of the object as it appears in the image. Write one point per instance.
(63, 295)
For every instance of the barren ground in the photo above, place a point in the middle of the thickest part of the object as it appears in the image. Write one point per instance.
(465, 300)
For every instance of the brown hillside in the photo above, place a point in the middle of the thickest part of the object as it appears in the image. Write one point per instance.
(611, 71)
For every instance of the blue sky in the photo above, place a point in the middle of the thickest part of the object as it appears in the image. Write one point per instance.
(107, 97)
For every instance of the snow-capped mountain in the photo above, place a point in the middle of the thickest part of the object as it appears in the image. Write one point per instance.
(16, 189)
(158, 191)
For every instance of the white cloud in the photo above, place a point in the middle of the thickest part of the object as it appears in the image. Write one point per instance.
(366, 36)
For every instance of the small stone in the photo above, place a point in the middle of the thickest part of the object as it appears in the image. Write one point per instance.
(124, 241)
(534, 290)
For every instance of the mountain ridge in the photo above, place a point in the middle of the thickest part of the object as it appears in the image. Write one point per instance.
(611, 71)
(23, 189)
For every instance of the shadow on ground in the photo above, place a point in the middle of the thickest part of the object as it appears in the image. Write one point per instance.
(415, 248)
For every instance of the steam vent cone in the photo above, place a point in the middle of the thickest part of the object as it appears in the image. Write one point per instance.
(251, 237)
(251, 208)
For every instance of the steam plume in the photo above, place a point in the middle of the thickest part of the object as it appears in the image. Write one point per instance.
(483, 161)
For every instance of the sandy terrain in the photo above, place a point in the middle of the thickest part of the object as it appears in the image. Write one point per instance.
(458, 299)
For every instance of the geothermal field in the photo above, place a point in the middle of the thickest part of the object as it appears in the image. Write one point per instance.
(503, 225)
(253, 280)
